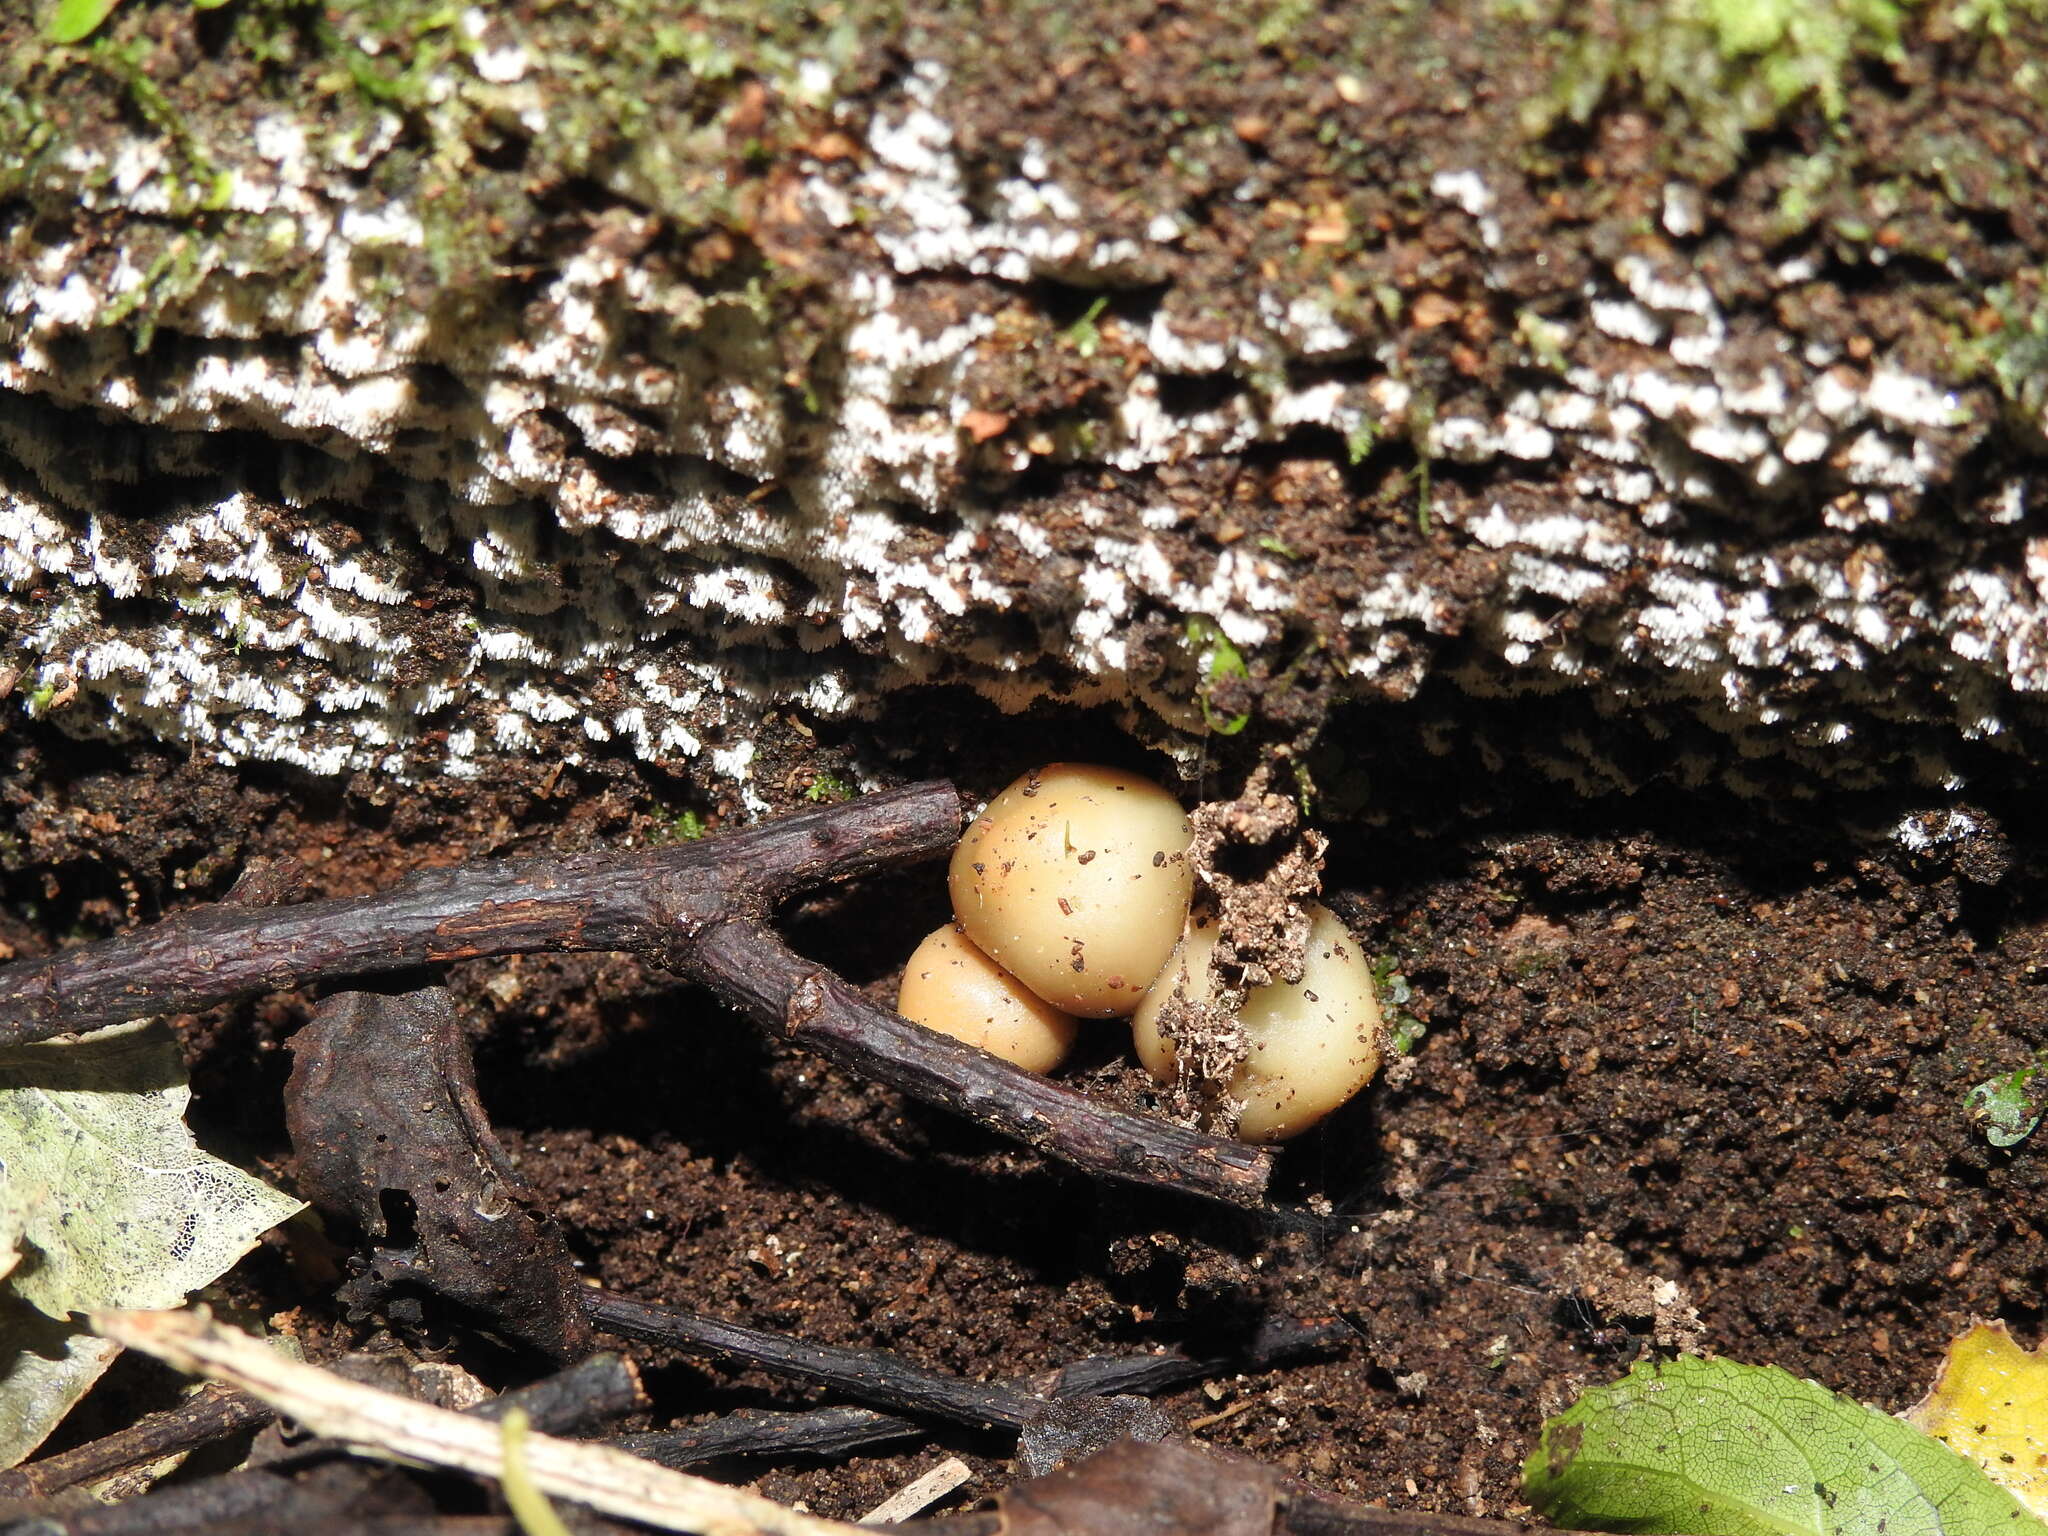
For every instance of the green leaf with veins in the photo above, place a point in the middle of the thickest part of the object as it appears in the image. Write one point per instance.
(1721, 1449)
(105, 1201)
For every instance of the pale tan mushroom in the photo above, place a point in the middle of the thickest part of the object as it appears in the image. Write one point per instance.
(1313, 1043)
(1076, 881)
(952, 987)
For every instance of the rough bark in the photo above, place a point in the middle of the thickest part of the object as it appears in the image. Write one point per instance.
(388, 388)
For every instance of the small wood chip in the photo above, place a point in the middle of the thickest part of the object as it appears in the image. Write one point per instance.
(920, 1495)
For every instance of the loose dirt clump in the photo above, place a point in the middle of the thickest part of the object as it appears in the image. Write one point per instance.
(1257, 865)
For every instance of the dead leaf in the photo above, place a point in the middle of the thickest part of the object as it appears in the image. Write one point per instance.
(1432, 310)
(1990, 1403)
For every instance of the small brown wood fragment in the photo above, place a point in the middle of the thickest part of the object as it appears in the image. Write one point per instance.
(388, 1130)
(1139, 1489)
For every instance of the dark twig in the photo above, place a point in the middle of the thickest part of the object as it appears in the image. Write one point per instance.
(749, 964)
(877, 1376)
(873, 1375)
(212, 1413)
(593, 1391)
(699, 910)
(750, 1432)
(1276, 1340)
(241, 1500)
(648, 903)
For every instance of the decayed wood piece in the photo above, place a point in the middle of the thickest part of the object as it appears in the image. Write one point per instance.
(699, 910)
(382, 1103)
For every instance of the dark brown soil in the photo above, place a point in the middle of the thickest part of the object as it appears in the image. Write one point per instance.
(1686, 1041)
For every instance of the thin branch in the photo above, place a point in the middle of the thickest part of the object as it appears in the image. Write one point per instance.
(873, 1375)
(649, 903)
(748, 964)
(877, 1376)
(574, 1400)
(210, 1414)
(698, 910)
(393, 1428)
(751, 1432)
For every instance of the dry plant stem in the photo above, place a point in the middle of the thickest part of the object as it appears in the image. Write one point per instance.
(648, 903)
(574, 1400)
(390, 1427)
(935, 1485)
(210, 1414)
(698, 910)
(747, 963)
(266, 1498)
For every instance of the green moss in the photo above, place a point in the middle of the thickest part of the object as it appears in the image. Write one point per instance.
(1281, 20)
(1404, 1030)
(1084, 336)
(1217, 661)
(1725, 69)
(829, 789)
(2013, 353)
(2007, 1109)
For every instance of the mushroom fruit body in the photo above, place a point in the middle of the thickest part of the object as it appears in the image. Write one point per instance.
(952, 987)
(1076, 881)
(1313, 1043)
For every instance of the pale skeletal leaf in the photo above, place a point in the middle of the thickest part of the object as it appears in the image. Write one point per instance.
(105, 1201)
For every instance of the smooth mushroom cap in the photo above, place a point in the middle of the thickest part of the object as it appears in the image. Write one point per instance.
(952, 987)
(1314, 1043)
(1076, 881)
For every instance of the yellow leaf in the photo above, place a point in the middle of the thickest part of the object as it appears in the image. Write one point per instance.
(1991, 1404)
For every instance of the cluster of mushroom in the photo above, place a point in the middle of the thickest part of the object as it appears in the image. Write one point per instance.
(1071, 900)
